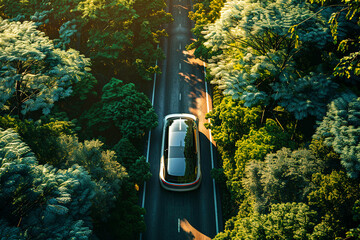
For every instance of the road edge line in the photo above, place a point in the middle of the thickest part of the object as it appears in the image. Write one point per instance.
(212, 155)
(149, 136)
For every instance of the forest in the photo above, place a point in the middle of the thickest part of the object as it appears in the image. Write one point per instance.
(286, 116)
(73, 117)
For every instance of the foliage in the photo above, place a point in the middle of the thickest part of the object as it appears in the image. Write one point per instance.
(41, 201)
(102, 166)
(127, 214)
(204, 12)
(325, 155)
(124, 108)
(108, 23)
(120, 36)
(40, 136)
(355, 232)
(284, 176)
(139, 171)
(260, 60)
(35, 74)
(126, 152)
(148, 29)
(229, 122)
(334, 196)
(285, 221)
(349, 64)
(254, 145)
(340, 129)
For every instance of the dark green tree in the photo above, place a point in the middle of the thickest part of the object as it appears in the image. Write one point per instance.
(124, 108)
(41, 136)
(343, 21)
(148, 29)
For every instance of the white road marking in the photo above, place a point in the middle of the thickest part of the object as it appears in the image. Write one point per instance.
(149, 136)
(180, 46)
(179, 11)
(178, 224)
(180, 66)
(179, 24)
(179, 96)
(211, 154)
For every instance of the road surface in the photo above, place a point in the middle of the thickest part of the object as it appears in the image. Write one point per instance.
(180, 89)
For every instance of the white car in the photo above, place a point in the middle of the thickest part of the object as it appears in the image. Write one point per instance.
(180, 149)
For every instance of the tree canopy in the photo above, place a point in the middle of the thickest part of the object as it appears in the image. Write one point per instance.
(340, 129)
(261, 62)
(277, 67)
(124, 108)
(35, 74)
(40, 201)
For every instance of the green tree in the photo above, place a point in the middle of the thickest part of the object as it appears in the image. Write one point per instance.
(284, 176)
(107, 174)
(334, 196)
(139, 171)
(229, 122)
(340, 129)
(148, 29)
(124, 108)
(326, 155)
(35, 74)
(108, 23)
(42, 202)
(41, 136)
(355, 232)
(204, 12)
(349, 64)
(254, 146)
(285, 221)
(133, 161)
(261, 62)
(127, 214)
(126, 152)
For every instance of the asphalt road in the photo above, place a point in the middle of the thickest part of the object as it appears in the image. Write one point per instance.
(180, 89)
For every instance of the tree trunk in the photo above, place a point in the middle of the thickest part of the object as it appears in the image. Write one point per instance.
(18, 98)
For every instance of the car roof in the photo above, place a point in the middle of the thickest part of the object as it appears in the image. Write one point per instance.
(176, 143)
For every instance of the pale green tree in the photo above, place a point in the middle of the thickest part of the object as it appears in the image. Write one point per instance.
(33, 73)
(260, 57)
(40, 201)
(284, 176)
(107, 174)
(340, 129)
(285, 221)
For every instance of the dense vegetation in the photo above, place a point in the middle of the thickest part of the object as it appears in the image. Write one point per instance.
(72, 120)
(286, 115)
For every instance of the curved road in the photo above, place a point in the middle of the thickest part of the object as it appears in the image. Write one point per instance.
(180, 89)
